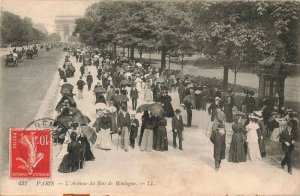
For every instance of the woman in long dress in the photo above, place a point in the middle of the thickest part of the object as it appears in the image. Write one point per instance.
(252, 139)
(165, 100)
(237, 152)
(73, 160)
(113, 115)
(103, 132)
(138, 82)
(148, 96)
(161, 137)
(147, 139)
(63, 151)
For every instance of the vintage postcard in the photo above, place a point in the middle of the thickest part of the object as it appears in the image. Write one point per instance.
(146, 98)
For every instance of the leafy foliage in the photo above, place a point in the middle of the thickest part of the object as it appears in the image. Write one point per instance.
(14, 29)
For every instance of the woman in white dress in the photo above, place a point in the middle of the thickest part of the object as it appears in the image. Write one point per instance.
(252, 139)
(138, 82)
(148, 96)
(103, 129)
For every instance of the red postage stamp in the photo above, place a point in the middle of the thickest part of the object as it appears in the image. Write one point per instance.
(30, 153)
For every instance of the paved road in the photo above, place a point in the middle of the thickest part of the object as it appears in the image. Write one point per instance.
(22, 90)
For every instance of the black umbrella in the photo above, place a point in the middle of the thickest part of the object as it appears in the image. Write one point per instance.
(121, 98)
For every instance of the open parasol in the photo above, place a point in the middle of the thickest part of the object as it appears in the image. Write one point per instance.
(67, 85)
(151, 77)
(161, 80)
(143, 107)
(101, 106)
(99, 90)
(139, 65)
(121, 98)
(125, 82)
(90, 133)
(157, 109)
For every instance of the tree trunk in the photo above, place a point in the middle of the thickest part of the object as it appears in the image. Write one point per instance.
(132, 53)
(150, 58)
(225, 77)
(123, 51)
(141, 54)
(182, 63)
(115, 49)
(234, 82)
(169, 62)
(163, 59)
(128, 52)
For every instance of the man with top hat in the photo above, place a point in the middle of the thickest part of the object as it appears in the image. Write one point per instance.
(177, 129)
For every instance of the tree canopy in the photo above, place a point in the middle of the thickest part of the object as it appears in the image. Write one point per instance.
(15, 29)
(228, 32)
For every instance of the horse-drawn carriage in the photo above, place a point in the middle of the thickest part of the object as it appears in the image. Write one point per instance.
(11, 60)
(35, 52)
(29, 53)
(48, 48)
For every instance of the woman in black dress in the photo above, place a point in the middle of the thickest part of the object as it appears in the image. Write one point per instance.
(161, 137)
(88, 154)
(237, 147)
(165, 100)
(73, 160)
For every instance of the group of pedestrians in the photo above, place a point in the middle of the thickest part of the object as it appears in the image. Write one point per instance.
(119, 80)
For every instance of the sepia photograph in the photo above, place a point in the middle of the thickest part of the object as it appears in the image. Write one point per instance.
(149, 97)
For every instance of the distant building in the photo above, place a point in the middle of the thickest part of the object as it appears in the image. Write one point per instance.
(64, 26)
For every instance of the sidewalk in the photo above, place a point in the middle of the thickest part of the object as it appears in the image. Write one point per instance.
(193, 167)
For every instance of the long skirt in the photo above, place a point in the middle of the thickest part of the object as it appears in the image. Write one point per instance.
(147, 141)
(125, 138)
(114, 127)
(104, 139)
(67, 165)
(237, 150)
(253, 151)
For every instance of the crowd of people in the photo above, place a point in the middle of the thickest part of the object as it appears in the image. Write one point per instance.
(119, 79)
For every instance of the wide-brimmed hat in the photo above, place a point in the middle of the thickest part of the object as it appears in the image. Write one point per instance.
(252, 116)
(177, 111)
(217, 98)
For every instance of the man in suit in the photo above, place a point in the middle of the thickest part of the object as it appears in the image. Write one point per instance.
(287, 138)
(177, 128)
(89, 80)
(213, 108)
(134, 95)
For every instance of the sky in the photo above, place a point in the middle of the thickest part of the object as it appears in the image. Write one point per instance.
(44, 11)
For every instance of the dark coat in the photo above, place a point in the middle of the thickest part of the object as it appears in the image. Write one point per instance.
(285, 136)
(219, 144)
(236, 152)
(166, 103)
(89, 79)
(134, 128)
(212, 110)
(70, 162)
(177, 123)
(123, 120)
(80, 84)
(134, 94)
